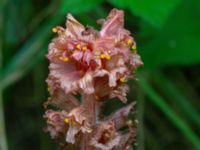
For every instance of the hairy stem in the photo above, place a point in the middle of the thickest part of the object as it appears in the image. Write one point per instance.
(90, 103)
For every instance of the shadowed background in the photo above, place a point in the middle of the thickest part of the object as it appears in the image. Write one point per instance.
(167, 91)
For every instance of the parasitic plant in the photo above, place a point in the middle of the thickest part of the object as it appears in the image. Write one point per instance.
(95, 65)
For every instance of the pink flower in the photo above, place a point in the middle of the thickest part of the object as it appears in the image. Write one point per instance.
(79, 56)
(71, 58)
(77, 120)
(120, 117)
(105, 137)
(55, 123)
(62, 100)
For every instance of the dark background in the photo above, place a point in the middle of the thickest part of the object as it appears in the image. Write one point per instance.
(167, 91)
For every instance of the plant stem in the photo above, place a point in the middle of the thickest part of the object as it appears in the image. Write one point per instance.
(91, 105)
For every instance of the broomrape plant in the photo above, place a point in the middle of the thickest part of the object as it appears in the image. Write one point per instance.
(95, 65)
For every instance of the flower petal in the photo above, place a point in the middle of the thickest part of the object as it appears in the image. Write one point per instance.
(135, 61)
(73, 130)
(120, 117)
(113, 22)
(55, 123)
(77, 55)
(120, 92)
(78, 122)
(86, 83)
(74, 28)
(105, 137)
(62, 100)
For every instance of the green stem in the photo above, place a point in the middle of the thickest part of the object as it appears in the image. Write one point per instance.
(178, 122)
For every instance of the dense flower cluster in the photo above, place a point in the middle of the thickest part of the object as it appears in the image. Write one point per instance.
(95, 65)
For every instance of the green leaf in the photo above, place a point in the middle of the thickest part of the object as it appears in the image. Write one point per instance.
(176, 43)
(78, 6)
(155, 12)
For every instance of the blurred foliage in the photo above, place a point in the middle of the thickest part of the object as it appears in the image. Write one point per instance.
(167, 34)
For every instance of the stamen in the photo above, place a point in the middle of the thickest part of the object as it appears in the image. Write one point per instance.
(65, 59)
(123, 80)
(89, 130)
(129, 41)
(133, 47)
(66, 120)
(84, 48)
(102, 56)
(48, 89)
(107, 136)
(54, 30)
(78, 46)
(108, 57)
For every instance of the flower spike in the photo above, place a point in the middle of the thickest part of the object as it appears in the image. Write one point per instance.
(94, 65)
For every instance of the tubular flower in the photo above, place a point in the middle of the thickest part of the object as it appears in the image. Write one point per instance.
(55, 125)
(106, 137)
(62, 100)
(93, 65)
(78, 122)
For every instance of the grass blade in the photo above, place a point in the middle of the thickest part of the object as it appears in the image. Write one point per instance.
(165, 108)
(3, 138)
(179, 97)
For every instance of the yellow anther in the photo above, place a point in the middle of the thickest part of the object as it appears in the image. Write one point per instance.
(66, 120)
(89, 130)
(129, 41)
(48, 89)
(107, 135)
(65, 59)
(84, 48)
(78, 46)
(123, 80)
(102, 56)
(133, 47)
(107, 57)
(54, 30)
